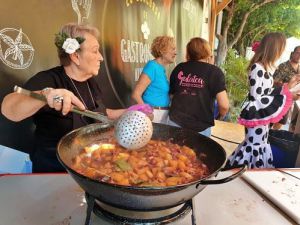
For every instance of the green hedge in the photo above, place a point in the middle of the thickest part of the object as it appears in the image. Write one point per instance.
(235, 69)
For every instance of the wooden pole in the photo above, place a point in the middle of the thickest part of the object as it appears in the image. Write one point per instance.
(222, 5)
(216, 8)
(212, 26)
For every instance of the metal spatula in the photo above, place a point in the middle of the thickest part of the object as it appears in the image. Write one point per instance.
(133, 130)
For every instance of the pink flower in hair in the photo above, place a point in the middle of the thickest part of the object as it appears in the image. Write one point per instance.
(255, 46)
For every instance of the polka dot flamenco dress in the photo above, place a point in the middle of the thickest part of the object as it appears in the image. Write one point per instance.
(264, 105)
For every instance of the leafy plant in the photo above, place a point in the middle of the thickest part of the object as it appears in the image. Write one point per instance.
(61, 37)
(245, 21)
(235, 69)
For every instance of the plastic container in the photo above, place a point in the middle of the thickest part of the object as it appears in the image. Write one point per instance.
(285, 148)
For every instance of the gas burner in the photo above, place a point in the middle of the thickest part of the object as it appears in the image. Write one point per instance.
(131, 217)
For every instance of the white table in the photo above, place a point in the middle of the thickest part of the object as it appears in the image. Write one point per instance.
(55, 199)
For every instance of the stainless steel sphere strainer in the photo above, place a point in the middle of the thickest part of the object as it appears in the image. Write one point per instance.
(133, 130)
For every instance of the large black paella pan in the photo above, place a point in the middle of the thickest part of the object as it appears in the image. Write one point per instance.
(144, 198)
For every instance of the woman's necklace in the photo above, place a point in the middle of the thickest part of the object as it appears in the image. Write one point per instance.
(81, 98)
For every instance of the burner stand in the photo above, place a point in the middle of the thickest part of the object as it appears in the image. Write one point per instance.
(96, 206)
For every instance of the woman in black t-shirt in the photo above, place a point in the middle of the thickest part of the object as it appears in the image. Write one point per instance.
(195, 85)
(72, 83)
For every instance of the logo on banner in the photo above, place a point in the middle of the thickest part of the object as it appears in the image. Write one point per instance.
(190, 8)
(145, 30)
(82, 9)
(17, 53)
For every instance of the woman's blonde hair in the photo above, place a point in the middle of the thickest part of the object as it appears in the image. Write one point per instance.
(73, 30)
(197, 48)
(160, 45)
(269, 50)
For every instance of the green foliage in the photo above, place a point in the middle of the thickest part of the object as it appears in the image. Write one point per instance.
(278, 16)
(60, 39)
(235, 69)
(62, 36)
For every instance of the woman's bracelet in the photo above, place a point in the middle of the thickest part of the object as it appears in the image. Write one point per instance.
(43, 92)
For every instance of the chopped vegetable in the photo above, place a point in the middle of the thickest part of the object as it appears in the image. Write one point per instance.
(123, 165)
(158, 164)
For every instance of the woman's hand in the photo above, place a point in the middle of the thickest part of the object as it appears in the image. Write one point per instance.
(62, 100)
(296, 96)
(144, 108)
(292, 87)
(294, 81)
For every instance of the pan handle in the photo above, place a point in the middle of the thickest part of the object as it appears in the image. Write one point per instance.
(241, 170)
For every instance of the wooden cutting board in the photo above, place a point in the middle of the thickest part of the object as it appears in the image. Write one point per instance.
(282, 189)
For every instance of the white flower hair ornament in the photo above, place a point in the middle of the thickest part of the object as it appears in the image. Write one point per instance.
(69, 45)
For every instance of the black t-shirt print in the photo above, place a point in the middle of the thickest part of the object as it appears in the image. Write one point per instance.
(190, 83)
(194, 86)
